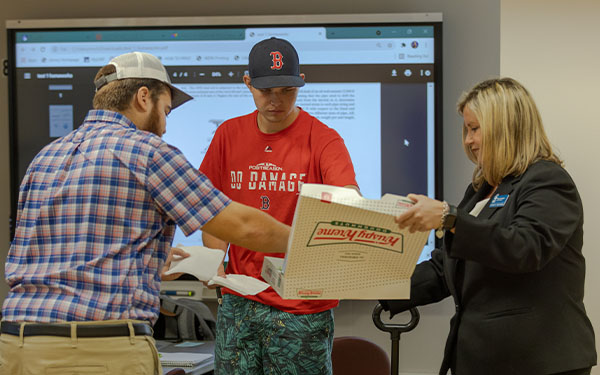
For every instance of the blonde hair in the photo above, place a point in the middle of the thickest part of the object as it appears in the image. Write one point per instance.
(512, 133)
(116, 95)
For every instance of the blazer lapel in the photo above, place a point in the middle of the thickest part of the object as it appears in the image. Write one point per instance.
(452, 266)
(455, 267)
(500, 197)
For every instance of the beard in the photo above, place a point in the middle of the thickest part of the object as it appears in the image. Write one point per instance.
(153, 124)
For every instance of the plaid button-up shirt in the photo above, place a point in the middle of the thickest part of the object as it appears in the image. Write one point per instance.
(97, 214)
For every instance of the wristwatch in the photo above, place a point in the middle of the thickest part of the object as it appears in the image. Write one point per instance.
(450, 218)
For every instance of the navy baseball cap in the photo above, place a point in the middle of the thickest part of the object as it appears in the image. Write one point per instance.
(274, 63)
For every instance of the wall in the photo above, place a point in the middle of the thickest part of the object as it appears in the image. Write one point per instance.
(561, 72)
(471, 53)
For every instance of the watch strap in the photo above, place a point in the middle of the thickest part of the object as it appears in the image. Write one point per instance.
(450, 218)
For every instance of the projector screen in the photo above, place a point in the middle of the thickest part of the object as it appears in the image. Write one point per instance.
(376, 79)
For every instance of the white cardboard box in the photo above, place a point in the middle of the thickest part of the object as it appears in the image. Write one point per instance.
(344, 246)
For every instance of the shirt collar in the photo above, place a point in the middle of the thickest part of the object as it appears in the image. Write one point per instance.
(102, 115)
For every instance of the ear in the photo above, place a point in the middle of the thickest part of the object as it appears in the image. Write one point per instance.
(302, 76)
(247, 81)
(142, 100)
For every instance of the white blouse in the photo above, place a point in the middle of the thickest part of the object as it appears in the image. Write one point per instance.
(479, 206)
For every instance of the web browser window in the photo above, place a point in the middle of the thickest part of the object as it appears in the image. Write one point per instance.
(377, 85)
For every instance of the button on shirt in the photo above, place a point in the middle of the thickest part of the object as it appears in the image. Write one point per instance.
(97, 214)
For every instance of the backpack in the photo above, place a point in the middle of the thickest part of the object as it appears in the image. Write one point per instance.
(184, 319)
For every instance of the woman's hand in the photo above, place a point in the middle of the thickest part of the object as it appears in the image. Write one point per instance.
(424, 216)
(175, 253)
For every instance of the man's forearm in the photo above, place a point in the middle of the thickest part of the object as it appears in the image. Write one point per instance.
(250, 228)
(214, 242)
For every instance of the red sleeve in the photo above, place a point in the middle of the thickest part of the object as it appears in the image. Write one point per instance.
(335, 163)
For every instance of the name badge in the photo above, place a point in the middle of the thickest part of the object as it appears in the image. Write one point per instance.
(499, 201)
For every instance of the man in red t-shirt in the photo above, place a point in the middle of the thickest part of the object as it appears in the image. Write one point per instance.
(262, 159)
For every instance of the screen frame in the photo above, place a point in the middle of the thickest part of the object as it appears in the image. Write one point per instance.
(14, 26)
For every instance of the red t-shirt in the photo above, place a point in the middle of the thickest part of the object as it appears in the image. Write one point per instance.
(266, 171)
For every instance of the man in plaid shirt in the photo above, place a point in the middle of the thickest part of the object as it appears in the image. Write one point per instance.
(97, 214)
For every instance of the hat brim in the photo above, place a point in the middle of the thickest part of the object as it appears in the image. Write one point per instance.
(178, 97)
(268, 82)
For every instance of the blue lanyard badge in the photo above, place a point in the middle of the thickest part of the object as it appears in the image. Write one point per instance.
(499, 201)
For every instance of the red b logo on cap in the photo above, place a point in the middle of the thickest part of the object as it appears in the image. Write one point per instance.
(277, 60)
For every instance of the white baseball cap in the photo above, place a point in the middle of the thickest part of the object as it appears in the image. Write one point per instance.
(142, 65)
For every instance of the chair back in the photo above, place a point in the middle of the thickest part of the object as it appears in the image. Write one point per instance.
(353, 355)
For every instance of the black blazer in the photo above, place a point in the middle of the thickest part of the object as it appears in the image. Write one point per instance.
(516, 274)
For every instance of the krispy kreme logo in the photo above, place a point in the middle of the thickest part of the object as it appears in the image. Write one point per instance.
(340, 232)
(310, 293)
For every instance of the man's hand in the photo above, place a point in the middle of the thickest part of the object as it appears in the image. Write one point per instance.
(220, 272)
(175, 253)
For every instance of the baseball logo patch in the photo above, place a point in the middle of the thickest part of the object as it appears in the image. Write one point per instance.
(277, 60)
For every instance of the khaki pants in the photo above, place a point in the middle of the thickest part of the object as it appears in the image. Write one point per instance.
(53, 355)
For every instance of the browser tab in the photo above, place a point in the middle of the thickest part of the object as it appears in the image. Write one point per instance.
(291, 34)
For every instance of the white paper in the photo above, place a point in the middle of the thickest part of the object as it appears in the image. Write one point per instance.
(240, 283)
(204, 263)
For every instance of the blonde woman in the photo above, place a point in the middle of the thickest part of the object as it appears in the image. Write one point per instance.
(512, 249)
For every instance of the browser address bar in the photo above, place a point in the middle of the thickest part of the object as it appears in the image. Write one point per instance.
(228, 52)
(227, 46)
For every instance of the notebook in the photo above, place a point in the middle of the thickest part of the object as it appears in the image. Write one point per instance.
(182, 359)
